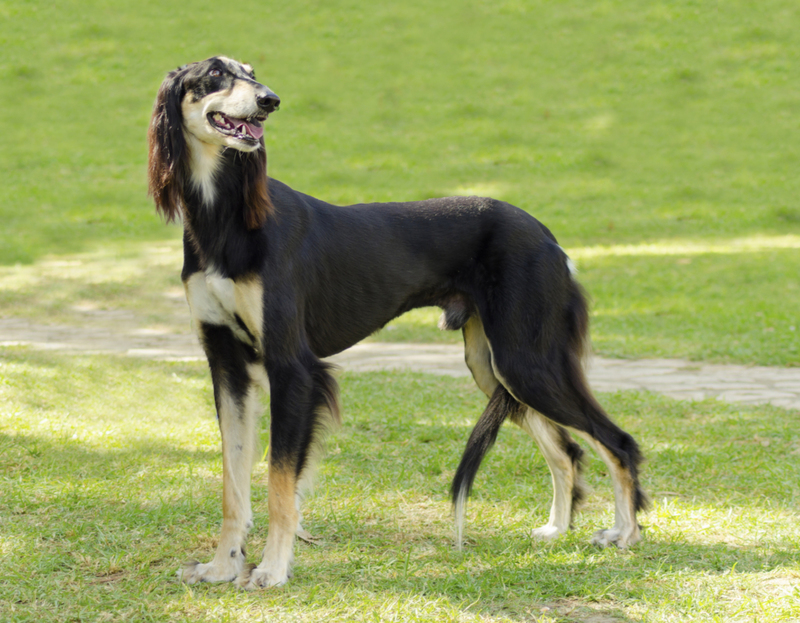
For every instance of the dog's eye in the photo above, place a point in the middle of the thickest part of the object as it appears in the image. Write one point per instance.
(215, 73)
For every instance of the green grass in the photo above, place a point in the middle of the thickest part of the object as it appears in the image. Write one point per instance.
(638, 310)
(676, 300)
(613, 122)
(111, 478)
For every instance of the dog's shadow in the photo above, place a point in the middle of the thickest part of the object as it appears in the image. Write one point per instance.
(500, 573)
(569, 580)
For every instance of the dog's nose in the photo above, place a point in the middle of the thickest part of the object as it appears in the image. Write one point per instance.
(268, 102)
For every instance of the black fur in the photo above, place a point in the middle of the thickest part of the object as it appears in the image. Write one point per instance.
(575, 453)
(501, 406)
(332, 275)
(228, 359)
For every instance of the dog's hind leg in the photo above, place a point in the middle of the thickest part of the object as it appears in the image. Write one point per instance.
(238, 411)
(560, 451)
(628, 497)
(563, 457)
(540, 362)
(563, 397)
(304, 402)
(478, 355)
(556, 396)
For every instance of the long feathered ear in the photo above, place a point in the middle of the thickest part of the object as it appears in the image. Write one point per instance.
(167, 147)
(258, 206)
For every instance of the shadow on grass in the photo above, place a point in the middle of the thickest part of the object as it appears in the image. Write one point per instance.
(509, 577)
(84, 514)
(94, 463)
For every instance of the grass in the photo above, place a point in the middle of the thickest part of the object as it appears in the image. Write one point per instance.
(657, 140)
(137, 286)
(617, 124)
(674, 300)
(111, 478)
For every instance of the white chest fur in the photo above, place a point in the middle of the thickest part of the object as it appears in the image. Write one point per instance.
(217, 300)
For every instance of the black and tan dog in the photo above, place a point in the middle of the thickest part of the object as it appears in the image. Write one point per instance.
(276, 280)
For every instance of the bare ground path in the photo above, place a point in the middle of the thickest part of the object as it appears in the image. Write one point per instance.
(115, 333)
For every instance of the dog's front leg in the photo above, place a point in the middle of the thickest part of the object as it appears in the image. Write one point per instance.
(238, 410)
(291, 439)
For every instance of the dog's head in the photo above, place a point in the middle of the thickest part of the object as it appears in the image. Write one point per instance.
(222, 104)
(219, 103)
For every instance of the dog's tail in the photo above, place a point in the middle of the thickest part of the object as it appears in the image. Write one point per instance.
(501, 406)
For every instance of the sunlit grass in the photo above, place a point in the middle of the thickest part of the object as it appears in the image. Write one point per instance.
(658, 141)
(615, 123)
(710, 300)
(734, 246)
(732, 300)
(111, 478)
(142, 278)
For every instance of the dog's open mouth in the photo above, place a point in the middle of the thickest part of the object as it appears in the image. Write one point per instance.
(242, 129)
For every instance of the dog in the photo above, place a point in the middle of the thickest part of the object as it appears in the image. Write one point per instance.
(277, 280)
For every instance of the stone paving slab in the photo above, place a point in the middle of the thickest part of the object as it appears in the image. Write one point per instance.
(677, 378)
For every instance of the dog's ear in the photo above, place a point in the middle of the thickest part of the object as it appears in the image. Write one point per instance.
(258, 206)
(167, 147)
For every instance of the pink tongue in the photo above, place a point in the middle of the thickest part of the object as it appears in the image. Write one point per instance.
(256, 131)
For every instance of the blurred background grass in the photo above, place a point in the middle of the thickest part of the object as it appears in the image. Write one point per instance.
(612, 122)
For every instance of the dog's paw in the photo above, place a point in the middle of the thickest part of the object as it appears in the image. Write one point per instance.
(618, 538)
(194, 572)
(253, 578)
(546, 533)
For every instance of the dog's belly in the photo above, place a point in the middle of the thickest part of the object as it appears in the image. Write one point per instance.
(217, 300)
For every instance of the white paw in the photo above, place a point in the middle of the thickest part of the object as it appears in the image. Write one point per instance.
(194, 572)
(546, 533)
(618, 538)
(253, 578)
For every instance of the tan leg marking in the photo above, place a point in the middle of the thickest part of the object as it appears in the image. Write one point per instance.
(626, 530)
(275, 566)
(478, 355)
(239, 430)
(562, 471)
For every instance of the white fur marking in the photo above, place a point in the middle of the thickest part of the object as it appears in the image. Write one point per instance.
(214, 299)
(239, 431)
(205, 159)
(562, 472)
(240, 102)
(204, 307)
(573, 270)
(460, 511)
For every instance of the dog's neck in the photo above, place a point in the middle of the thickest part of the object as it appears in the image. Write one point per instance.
(205, 160)
(215, 206)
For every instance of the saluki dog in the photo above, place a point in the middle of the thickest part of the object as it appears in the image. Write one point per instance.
(277, 280)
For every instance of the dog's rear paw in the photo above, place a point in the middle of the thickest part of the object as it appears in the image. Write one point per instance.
(546, 533)
(618, 538)
(194, 572)
(253, 578)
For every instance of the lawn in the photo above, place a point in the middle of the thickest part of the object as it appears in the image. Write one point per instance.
(621, 125)
(658, 140)
(111, 478)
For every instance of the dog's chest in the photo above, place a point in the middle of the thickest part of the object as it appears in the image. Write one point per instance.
(217, 300)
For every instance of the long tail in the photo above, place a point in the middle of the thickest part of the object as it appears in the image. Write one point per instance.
(501, 406)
